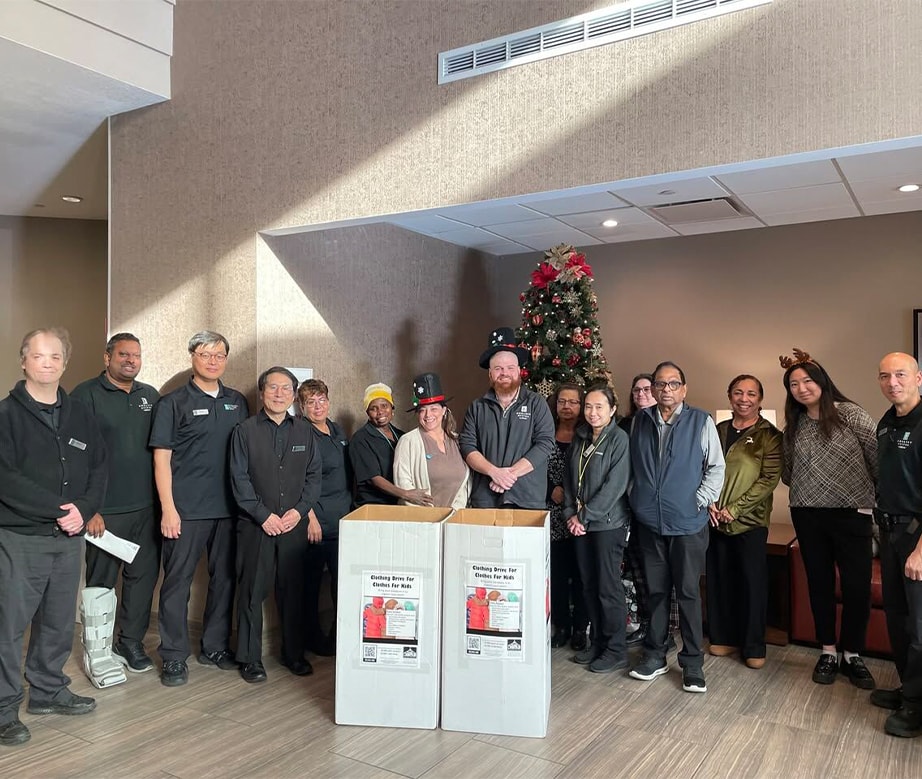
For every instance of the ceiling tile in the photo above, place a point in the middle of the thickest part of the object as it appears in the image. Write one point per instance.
(892, 206)
(428, 224)
(577, 204)
(787, 201)
(898, 162)
(813, 215)
(633, 232)
(804, 174)
(720, 226)
(681, 190)
(515, 229)
(480, 214)
(885, 190)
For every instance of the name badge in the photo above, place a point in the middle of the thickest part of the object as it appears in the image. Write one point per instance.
(77, 444)
(200, 412)
(299, 449)
(230, 406)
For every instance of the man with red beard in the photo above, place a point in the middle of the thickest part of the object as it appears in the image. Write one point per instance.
(508, 433)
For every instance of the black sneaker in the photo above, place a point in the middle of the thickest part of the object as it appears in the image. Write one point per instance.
(649, 668)
(65, 702)
(857, 673)
(589, 654)
(175, 673)
(579, 640)
(637, 637)
(888, 699)
(13, 733)
(905, 723)
(608, 662)
(693, 680)
(221, 659)
(826, 669)
(560, 638)
(131, 654)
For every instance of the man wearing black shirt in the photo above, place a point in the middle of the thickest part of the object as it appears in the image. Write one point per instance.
(190, 436)
(275, 473)
(899, 515)
(52, 480)
(122, 407)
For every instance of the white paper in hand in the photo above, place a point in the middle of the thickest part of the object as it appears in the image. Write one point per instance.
(115, 545)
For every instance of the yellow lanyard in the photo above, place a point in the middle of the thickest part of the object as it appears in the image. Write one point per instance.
(584, 459)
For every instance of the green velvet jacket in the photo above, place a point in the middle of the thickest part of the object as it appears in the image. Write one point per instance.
(753, 471)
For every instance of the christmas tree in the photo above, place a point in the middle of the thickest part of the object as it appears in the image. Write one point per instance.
(560, 323)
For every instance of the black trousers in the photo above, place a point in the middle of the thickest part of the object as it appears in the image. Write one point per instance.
(39, 576)
(138, 578)
(599, 555)
(261, 561)
(674, 561)
(320, 556)
(737, 590)
(180, 558)
(840, 538)
(567, 587)
(903, 606)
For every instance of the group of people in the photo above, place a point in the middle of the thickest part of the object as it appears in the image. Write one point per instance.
(261, 496)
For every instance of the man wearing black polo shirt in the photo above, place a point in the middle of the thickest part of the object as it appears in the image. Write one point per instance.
(122, 407)
(899, 515)
(190, 437)
(275, 472)
(52, 479)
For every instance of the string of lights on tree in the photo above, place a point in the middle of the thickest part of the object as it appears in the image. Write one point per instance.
(560, 323)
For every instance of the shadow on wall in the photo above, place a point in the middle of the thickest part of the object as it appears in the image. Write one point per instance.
(376, 303)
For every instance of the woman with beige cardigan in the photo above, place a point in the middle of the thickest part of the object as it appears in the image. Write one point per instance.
(428, 458)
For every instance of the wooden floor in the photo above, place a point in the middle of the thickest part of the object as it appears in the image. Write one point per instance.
(769, 723)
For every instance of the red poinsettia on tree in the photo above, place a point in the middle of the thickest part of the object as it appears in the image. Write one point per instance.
(560, 323)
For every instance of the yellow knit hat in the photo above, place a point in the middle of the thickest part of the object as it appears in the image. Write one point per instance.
(375, 391)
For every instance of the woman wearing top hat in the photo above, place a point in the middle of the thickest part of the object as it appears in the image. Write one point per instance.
(428, 459)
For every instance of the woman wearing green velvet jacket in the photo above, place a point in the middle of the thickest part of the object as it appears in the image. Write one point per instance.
(737, 577)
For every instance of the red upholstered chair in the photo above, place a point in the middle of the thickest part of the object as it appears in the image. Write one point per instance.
(878, 640)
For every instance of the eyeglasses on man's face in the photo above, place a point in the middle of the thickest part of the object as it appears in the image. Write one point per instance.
(673, 385)
(284, 389)
(211, 357)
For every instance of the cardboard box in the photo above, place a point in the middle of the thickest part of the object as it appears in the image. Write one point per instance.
(388, 616)
(496, 653)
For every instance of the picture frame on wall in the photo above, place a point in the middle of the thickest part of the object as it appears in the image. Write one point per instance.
(917, 333)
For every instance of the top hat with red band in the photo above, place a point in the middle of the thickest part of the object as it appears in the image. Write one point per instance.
(427, 391)
(503, 339)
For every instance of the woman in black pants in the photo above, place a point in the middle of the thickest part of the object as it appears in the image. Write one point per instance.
(830, 464)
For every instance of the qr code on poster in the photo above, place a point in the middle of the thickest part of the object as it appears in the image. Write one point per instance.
(473, 645)
(370, 654)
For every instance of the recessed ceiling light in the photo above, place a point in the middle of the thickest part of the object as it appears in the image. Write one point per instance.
(666, 192)
(610, 223)
(909, 188)
(72, 199)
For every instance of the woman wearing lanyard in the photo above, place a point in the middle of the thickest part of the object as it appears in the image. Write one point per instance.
(596, 507)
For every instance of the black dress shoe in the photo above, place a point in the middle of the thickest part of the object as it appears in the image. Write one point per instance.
(299, 667)
(905, 723)
(826, 669)
(579, 641)
(12, 733)
(888, 699)
(175, 673)
(857, 673)
(253, 672)
(638, 636)
(65, 702)
(131, 654)
(222, 659)
(560, 638)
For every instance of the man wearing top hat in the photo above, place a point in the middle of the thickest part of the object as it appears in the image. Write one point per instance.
(508, 433)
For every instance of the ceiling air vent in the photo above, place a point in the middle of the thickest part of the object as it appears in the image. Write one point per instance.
(608, 25)
(696, 211)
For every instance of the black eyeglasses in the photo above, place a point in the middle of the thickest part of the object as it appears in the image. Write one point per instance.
(673, 385)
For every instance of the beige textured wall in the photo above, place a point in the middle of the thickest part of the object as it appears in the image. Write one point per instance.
(53, 272)
(302, 112)
(730, 303)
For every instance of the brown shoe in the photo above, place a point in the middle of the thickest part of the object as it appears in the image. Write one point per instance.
(722, 650)
(755, 662)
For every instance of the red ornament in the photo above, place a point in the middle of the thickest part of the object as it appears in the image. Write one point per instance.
(556, 299)
(525, 373)
(545, 274)
(537, 319)
(572, 360)
(587, 331)
(556, 362)
(522, 297)
(587, 343)
(535, 352)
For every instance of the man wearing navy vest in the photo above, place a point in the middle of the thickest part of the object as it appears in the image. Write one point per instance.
(678, 471)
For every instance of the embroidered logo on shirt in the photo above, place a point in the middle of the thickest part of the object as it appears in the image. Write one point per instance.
(200, 412)
(749, 440)
(523, 413)
(230, 406)
(145, 404)
(299, 449)
(77, 444)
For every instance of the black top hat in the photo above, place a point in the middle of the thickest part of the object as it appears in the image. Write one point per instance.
(503, 339)
(427, 390)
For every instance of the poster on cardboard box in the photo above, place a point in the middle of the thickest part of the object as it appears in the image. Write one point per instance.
(493, 610)
(390, 618)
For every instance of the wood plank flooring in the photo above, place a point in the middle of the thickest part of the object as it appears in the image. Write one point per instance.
(769, 723)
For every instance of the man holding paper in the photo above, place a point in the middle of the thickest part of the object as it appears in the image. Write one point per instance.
(122, 407)
(52, 480)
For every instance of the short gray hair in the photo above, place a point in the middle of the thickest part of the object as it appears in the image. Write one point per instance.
(58, 332)
(206, 338)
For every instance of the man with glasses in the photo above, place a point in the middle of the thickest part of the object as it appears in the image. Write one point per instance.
(899, 516)
(275, 472)
(190, 436)
(678, 469)
(122, 406)
(508, 433)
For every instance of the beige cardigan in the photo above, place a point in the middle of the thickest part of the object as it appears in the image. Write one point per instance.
(412, 473)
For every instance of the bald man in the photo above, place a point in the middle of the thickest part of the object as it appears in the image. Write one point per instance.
(899, 515)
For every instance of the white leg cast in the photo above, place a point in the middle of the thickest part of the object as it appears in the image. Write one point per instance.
(97, 612)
